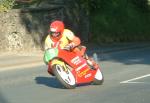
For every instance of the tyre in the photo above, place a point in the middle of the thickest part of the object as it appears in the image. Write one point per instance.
(66, 78)
(99, 78)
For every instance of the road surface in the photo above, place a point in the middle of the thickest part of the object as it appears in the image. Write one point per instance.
(127, 80)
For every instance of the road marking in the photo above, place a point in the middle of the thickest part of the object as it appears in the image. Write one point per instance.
(130, 80)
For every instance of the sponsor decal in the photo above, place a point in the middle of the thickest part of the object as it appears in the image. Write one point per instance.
(80, 67)
(88, 75)
(76, 60)
(80, 74)
(53, 29)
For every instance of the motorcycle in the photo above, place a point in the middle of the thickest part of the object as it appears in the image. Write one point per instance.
(71, 69)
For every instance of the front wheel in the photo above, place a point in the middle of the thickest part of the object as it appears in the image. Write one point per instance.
(99, 78)
(65, 77)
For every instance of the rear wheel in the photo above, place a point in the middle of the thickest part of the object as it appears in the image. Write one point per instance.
(64, 76)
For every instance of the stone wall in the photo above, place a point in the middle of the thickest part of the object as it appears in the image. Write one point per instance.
(26, 29)
(13, 33)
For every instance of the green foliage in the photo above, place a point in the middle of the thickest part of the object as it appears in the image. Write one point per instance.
(142, 4)
(111, 20)
(120, 21)
(6, 5)
(90, 5)
(33, 3)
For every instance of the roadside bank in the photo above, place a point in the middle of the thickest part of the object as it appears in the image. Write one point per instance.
(14, 60)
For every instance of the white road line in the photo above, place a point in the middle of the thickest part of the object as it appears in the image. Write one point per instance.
(144, 76)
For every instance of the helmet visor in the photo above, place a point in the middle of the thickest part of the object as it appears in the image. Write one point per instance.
(54, 34)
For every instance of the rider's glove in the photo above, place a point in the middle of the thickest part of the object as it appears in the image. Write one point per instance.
(69, 46)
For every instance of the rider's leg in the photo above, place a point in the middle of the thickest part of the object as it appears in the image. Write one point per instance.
(49, 70)
(91, 62)
(80, 50)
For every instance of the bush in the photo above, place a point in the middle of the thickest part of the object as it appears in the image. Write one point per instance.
(120, 21)
(6, 5)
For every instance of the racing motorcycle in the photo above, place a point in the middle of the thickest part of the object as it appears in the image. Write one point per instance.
(71, 69)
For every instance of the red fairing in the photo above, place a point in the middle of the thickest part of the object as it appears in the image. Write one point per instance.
(80, 68)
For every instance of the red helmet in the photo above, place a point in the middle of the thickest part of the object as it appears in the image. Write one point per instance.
(56, 29)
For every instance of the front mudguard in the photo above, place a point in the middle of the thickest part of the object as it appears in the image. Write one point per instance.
(55, 62)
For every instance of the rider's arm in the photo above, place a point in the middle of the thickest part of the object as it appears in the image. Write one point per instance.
(74, 40)
(47, 43)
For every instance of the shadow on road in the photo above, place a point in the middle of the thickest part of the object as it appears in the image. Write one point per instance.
(140, 56)
(3, 99)
(48, 81)
(54, 83)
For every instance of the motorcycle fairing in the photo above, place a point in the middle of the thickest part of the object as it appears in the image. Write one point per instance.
(81, 70)
(50, 54)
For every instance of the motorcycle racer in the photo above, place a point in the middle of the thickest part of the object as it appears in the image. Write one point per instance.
(64, 38)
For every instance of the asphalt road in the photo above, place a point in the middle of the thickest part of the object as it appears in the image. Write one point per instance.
(127, 80)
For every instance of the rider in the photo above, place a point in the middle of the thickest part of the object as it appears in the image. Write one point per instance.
(65, 38)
